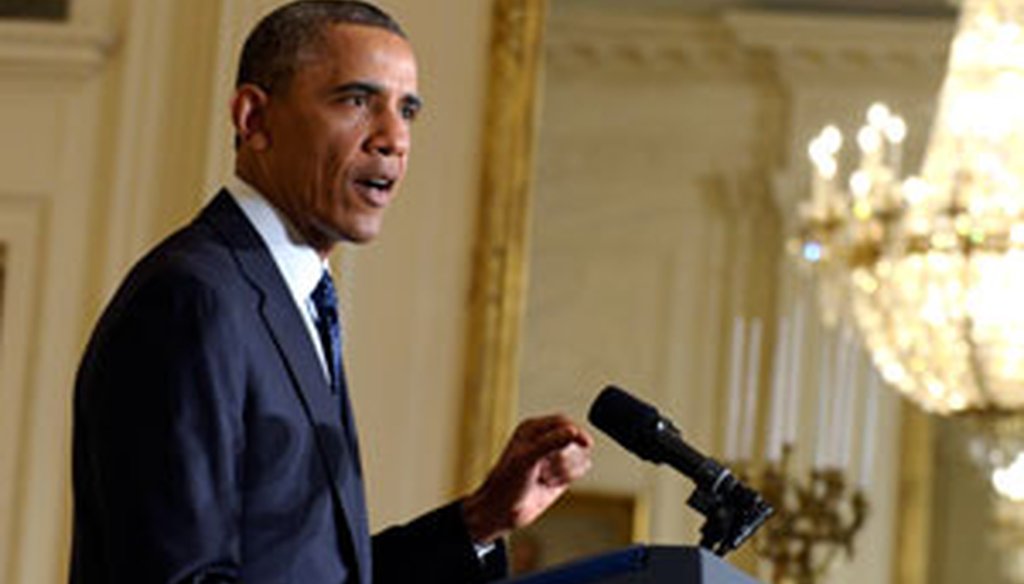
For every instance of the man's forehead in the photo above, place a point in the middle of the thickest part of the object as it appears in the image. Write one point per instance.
(344, 48)
(360, 38)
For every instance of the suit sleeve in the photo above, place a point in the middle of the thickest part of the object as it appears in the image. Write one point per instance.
(434, 549)
(159, 437)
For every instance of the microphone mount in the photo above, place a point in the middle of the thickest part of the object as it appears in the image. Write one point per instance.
(732, 510)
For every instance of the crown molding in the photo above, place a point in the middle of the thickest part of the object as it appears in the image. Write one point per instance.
(581, 39)
(53, 51)
(798, 44)
(825, 46)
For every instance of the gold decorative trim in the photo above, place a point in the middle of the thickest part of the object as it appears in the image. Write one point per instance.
(913, 516)
(498, 290)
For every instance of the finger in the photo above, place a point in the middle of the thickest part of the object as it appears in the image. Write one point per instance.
(575, 460)
(533, 427)
(585, 439)
(564, 467)
(551, 443)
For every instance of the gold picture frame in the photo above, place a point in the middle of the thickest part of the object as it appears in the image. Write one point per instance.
(498, 289)
(581, 524)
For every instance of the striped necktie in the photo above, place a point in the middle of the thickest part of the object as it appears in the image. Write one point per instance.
(325, 300)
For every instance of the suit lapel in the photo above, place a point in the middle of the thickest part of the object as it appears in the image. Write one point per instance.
(336, 439)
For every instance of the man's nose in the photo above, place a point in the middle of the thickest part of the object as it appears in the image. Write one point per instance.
(391, 134)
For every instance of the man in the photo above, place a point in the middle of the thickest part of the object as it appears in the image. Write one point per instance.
(213, 437)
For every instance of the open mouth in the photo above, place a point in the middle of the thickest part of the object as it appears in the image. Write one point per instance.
(380, 184)
(375, 191)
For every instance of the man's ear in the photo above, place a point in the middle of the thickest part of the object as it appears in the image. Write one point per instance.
(249, 116)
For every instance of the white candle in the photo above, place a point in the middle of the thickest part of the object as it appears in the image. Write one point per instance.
(867, 449)
(779, 393)
(839, 391)
(824, 393)
(796, 349)
(732, 426)
(750, 403)
(819, 192)
(853, 366)
(896, 161)
(895, 133)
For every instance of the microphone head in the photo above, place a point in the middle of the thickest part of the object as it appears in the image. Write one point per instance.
(629, 421)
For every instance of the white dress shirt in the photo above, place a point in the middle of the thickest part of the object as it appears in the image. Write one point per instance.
(299, 264)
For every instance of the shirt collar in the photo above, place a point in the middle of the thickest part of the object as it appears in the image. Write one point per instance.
(299, 264)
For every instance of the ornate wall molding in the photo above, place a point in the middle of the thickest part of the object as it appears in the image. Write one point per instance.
(581, 40)
(52, 51)
(157, 84)
(796, 44)
(824, 47)
(20, 224)
(498, 285)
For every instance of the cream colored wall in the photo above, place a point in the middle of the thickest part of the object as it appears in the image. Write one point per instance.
(672, 153)
(646, 170)
(113, 131)
(407, 292)
(52, 83)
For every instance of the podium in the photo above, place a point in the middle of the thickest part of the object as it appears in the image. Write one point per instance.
(642, 565)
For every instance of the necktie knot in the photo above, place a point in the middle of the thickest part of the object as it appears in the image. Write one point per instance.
(325, 300)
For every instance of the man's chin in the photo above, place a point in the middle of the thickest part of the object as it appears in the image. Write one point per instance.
(360, 239)
(359, 234)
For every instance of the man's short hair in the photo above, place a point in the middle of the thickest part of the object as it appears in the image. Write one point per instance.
(272, 51)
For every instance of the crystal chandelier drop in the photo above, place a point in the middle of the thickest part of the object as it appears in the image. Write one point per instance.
(931, 268)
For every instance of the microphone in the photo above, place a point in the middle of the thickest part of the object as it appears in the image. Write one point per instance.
(641, 429)
(733, 510)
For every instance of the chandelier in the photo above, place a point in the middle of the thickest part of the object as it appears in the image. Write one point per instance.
(930, 268)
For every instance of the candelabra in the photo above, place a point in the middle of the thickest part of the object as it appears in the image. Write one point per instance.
(817, 516)
(820, 501)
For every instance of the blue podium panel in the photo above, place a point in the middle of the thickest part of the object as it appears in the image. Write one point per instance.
(643, 565)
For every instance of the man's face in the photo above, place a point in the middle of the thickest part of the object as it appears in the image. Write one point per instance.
(338, 136)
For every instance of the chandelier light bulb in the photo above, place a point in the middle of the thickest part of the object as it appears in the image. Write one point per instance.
(816, 151)
(896, 129)
(831, 139)
(878, 115)
(860, 184)
(1009, 480)
(915, 190)
(869, 139)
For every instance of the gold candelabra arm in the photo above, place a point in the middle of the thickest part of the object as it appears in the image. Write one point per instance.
(818, 514)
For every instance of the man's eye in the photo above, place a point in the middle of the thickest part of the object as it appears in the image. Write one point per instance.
(409, 112)
(357, 100)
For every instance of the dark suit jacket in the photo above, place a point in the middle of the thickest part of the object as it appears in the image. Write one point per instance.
(208, 446)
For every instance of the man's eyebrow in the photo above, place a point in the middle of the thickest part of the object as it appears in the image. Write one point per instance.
(370, 88)
(358, 87)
